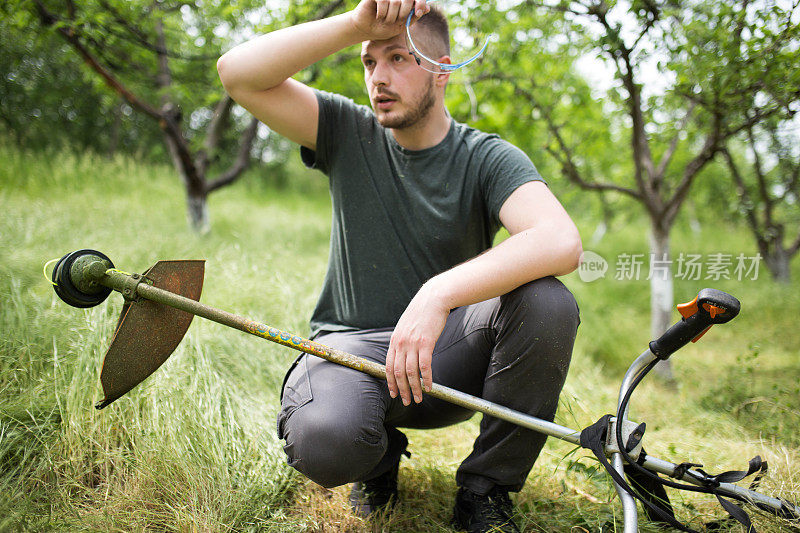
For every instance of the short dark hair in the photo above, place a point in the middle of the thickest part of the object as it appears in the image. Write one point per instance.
(437, 30)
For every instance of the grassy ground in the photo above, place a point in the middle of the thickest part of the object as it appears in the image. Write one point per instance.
(193, 448)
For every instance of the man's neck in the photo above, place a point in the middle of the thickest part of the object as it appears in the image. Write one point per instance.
(426, 133)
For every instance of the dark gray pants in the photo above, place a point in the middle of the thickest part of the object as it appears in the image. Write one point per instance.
(339, 424)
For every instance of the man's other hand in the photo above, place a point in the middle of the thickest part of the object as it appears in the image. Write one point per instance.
(383, 19)
(411, 346)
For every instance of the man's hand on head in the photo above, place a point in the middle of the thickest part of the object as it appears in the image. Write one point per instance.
(411, 346)
(383, 19)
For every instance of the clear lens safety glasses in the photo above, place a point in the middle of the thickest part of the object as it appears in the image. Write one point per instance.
(463, 44)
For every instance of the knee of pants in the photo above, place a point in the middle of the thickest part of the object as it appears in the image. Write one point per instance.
(539, 321)
(328, 449)
(546, 302)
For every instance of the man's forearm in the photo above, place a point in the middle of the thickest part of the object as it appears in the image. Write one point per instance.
(266, 61)
(530, 254)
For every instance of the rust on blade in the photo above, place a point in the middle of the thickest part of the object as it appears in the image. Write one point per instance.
(148, 332)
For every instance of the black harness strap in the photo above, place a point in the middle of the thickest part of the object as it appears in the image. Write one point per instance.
(652, 493)
(594, 439)
(651, 490)
(732, 476)
(737, 513)
(755, 466)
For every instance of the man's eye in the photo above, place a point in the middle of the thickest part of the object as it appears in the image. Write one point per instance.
(397, 58)
(368, 63)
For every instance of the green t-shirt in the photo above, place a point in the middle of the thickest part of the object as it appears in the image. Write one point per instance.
(402, 216)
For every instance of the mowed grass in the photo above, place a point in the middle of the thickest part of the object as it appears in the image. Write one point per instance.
(193, 448)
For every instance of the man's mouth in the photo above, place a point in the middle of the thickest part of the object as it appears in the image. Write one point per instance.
(383, 102)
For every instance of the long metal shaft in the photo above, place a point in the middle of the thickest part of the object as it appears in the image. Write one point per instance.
(122, 282)
(693, 476)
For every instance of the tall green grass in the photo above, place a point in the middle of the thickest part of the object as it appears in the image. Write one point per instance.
(193, 448)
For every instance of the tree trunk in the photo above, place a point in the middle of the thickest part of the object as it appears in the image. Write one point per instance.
(114, 134)
(778, 264)
(197, 211)
(602, 228)
(196, 192)
(694, 222)
(661, 293)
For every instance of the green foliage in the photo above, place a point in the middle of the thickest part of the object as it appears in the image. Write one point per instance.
(724, 60)
(702, 70)
(765, 165)
(50, 96)
(48, 99)
(532, 67)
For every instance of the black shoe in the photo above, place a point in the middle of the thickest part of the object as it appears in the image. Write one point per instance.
(379, 493)
(483, 514)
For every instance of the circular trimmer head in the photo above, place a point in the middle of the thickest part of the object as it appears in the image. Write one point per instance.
(70, 284)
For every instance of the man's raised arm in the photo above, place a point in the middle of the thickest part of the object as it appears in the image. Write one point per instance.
(257, 74)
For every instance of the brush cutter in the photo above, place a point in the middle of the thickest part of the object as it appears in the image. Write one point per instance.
(160, 304)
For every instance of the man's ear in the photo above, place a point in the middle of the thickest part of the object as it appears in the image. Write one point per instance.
(443, 78)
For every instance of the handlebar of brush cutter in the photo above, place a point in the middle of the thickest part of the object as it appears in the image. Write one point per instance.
(709, 307)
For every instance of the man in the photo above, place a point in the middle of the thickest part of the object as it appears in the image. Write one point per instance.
(412, 279)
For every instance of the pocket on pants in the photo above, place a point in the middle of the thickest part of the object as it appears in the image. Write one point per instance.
(296, 391)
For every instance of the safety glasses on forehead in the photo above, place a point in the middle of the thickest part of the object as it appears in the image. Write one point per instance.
(431, 65)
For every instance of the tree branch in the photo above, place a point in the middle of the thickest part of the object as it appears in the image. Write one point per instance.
(758, 115)
(140, 37)
(566, 159)
(164, 77)
(571, 173)
(794, 180)
(47, 18)
(568, 166)
(745, 200)
(706, 154)
(219, 123)
(328, 9)
(673, 145)
(242, 159)
(761, 180)
(655, 15)
(643, 159)
(118, 65)
(181, 153)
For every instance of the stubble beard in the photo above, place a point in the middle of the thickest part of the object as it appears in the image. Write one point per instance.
(414, 114)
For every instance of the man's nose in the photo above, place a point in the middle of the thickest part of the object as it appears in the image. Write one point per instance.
(381, 74)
